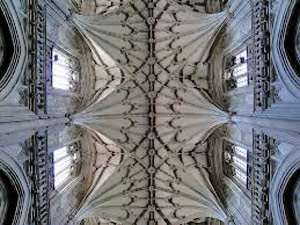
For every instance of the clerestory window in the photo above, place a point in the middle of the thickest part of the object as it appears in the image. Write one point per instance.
(65, 73)
(66, 164)
(62, 166)
(236, 71)
(238, 165)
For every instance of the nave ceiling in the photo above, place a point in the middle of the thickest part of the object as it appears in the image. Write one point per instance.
(133, 112)
(150, 115)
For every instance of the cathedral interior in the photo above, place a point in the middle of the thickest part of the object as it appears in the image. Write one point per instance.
(149, 112)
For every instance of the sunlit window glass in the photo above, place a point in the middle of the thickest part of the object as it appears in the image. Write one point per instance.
(62, 166)
(61, 70)
(238, 165)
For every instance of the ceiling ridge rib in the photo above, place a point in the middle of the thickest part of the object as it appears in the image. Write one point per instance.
(152, 117)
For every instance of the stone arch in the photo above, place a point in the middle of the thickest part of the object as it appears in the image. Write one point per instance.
(8, 199)
(13, 63)
(280, 184)
(285, 68)
(17, 180)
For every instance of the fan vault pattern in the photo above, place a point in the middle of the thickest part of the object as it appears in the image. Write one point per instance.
(150, 112)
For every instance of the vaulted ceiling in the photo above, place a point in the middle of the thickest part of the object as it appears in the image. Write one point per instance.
(151, 113)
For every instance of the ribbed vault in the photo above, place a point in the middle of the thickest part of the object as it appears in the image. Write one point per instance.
(150, 113)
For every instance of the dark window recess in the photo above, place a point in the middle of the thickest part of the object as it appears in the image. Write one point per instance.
(290, 203)
(6, 46)
(292, 39)
(236, 70)
(8, 189)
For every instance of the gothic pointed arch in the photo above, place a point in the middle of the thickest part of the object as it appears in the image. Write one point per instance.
(12, 48)
(284, 190)
(285, 45)
(16, 185)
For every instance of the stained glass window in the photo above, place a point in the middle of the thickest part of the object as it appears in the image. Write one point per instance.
(237, 164)
(236, 74)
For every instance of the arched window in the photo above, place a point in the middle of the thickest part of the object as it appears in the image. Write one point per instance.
(62, 166)
(66, 162)
(65, 73)
(237, 165)
(236, 70)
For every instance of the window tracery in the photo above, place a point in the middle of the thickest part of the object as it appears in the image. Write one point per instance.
(237, 165)
(236, 70)
(62, 165)
(66, 164)
(65, 72)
